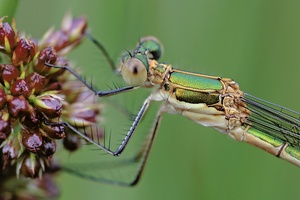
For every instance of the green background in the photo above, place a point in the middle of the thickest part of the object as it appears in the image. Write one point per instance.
(255, 42)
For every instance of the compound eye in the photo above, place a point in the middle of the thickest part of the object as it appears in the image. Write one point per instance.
(134, 72)
(153, 45)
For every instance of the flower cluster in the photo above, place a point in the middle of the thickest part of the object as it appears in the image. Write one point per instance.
(35, 97)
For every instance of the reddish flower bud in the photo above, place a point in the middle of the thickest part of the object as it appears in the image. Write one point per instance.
(17, 105)
(53, 86)
(31, 166)
(77, 28)
(36, 82)
(71, 33)
(48, 148)
(11, 148)
(23, 52)
(54, 131)
(20, 87)
(88, 114)
(47, 55)
(7, 36)
(9, 73)
(5, 126)
(31, 140)
(29, 118)
(3, 99)
(71, 142)
(58, 40)
(83, 114)
(49, 105)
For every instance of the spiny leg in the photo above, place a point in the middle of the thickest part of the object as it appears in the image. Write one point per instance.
(144, 152)
(103, 50)
(140, 158)
(126, 138)
(89, 86)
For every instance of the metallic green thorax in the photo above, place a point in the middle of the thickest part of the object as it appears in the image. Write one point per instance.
(195, 81)
(196, 97)
(194, 88)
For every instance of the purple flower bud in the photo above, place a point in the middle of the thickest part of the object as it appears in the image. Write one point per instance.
(48, 105)
(29, 118)
(5, 126)
(48, 148)
(31, 166)
(31, 140)
(11, 148)
(47, 55)
(17, 105)
(54, 131)
(78, 28)
(71, 142)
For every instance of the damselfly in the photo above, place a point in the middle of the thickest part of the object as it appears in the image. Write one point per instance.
(208, 100)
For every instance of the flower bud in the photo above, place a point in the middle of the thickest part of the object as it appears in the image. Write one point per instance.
(5, 126)
(11, 149)
(29, 118)
(9, 73)
(7, 36)
(36, 82)
(32, 141)
(47, 55)
(50, 105)
(71, 33)
(77, 28)
(48, 147)
(31, 166)
(3, 99)
(54, 131)
(16, 105)
(83, 114)
(20, 87)
(53, 86)
(71, 142)
(23, 52)
(88, 114)
(58, 40)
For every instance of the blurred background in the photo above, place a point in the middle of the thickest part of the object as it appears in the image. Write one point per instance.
(256, 43)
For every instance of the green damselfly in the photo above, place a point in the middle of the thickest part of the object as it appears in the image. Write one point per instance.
(208, 100)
